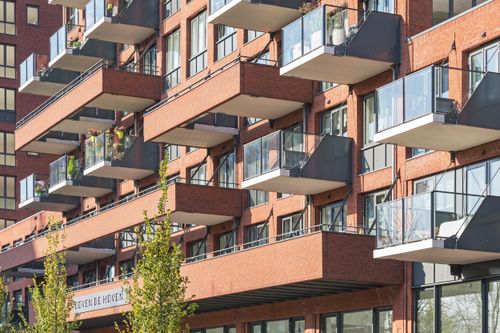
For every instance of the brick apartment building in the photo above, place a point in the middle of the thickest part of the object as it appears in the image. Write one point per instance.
(327, 171)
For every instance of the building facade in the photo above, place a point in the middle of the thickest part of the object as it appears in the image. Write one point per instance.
(327, 172)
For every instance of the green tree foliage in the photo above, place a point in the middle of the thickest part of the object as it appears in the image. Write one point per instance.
(157, 292)
(51, 297)
(5, 309)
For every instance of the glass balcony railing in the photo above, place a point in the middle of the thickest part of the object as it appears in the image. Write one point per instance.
(59, 40)
(97, 9)
(33, 186)
(278, 150)
(28, 69)
(430, 215)
(324, 26)
(64, 169)
(106, 147)
(413, 96)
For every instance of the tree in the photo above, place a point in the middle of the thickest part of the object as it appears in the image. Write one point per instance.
(51, 297)
(5, 309)
(157, 292)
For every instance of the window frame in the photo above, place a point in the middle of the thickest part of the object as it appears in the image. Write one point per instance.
(5, 67)
(5, 153)
(6, 23)
(5, 198)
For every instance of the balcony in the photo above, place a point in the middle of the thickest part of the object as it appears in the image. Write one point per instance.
(77, 55)
(69, 3)
(439, 227)
(297, 163)
(339, 45)
(66, 179)
(37, 79)
(35, 195)
(57, 143)
(105, 86)
(205, 132)
(243, 89)
(120, 156)
(130, 22)
(188, 204)
(87, 118)
(412, 112)
(258, 15)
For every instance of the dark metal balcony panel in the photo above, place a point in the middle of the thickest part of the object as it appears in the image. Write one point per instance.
(58, 143)
(143, 13)
(59, 75)
(83, 57)
(80, 123)
(53, 202)
(98, 49)
(216, 119)
(332, 160)
(482, 108)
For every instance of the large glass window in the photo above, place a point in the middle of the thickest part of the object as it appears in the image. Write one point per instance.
(425, 311)
(172, 78)
(7, 17)
(257, 234)
(198, 175)
(330, 324)
(292, 226)
(494, 306)
(7, 192)
(386, 6)
(172, 152)
(7, 152)
(256, 197)
(127, 239)
(198, 51)
(7, 100)
(485, 59)
(357, 322)
(334, 122)
(226, 171)
(196, 250)
(445, 9)
(333, 216)
(461, 308)
(149, 61)
(384, 321)
(7, 61)
(170, 7)
(225, 243)
(252, 34)
(370, 202)
(292, 325)
(226, 40)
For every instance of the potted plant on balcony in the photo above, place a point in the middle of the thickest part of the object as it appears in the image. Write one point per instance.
(336, 31)
(308, 6)
(71, 168)
(39, 188)
(120, 132)
(93, 133)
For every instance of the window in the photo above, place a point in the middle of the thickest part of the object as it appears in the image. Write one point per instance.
(172, 179)
(18, 297)
(127, 239)
(445, 9)
(172, 78)
(330, 324)
(109, 273)
(7, 152)
(191, 149)
(221, 329)
(196, 250)
(226, 40)
(5, 223)
(333, 216)
(226, 171)
(7, 61)
(370, 202)
(334, 122)
(386, 6)
(149, 61)
(252, 34)
(7, 192)
(292, 325)
(71, 17)
(384, 321)
(198, 175)
(7, 100)
(358, 322)
(225, 243)
(170, 7)
(72, 280)
(252, 120)
(324, 86)
(292, 226)
(89, 277)
(127, 267)
(485, 59)
(257, 234)
(365, 321)
(256, 197)
(461, 309)
(172, 152)
(198, 55)
(32, 15)
(7, 17)
(493, 306)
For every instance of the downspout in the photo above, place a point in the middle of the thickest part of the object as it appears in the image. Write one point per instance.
(305, 124)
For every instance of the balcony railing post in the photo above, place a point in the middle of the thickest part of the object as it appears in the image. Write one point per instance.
(433, 89)
(403, 220)
(433, 219)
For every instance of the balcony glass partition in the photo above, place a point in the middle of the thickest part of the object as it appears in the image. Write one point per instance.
(33, 186)
(411, 97)
(64, 169)
(106, 147)
(431, 215)
(27, 69)
(59, 41)
(324, 26)
(215, 5)
(94, 11)
(278, 150)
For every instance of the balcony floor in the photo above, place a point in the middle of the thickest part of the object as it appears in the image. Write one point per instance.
(254, 16)
(36, 86)
(105, 169)
(82, 125)
(67, 188)
(323, 65)
(72, 62)
(281, 181)
(85, 255)
(432, 132)
(69, 3)
(433, 251)
(121, 102)
(40, 204)
(51, 146)
(202, 136)
(181, 217)
(106, 30)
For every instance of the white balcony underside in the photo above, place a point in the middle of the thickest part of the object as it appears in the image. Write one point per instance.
(322, 65)
(198, 219)
(121, 103)
(87, 254)
(82, 125)
(105, 30)
(67, 188)
(68, 61)
(106, 170)
(433, 251)
(280, 181)
(202, 136)
(257, 107)
(253, 16)
(44, 88)
(51, 146)
(69, 3)
(431, 132)
(39, 204)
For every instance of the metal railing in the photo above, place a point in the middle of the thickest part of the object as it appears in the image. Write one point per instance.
(33, 186)
(105, 281)
(430, 215)
(324, 26)
(59, 40)
(103, 64)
